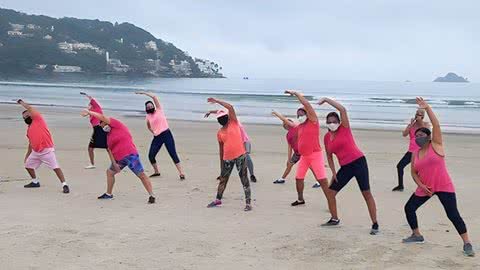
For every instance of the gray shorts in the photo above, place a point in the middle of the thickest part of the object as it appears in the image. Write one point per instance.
(295, 158)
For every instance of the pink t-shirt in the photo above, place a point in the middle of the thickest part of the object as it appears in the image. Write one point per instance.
(433, 172)
(308, 138)
(95, 107)
(413, 146)
(38, 134)
(292, 138)
(343, 146)
(158, 121)
(120, 141)
(244, 134)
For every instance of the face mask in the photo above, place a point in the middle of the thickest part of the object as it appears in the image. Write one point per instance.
(28, 120)
(421, 141)
(333, 126)
(107, 128)
(302, 119)
(150, 111)
(223, 120)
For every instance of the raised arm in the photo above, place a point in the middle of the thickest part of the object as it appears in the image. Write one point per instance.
(210, 112)
(27, 106)
(343, 112)
(152, 96)
(231, 111)
(436, 130)
(406, 131)
(99, 116)
(283, 119)
(86, 95)
(311, 114)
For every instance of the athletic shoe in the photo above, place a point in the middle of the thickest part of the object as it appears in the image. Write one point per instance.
(32, 185)
(89, 167)
(151, 199)
(253, 179)
(214, 204)
(247, 208)
(398, 188)
(105, 196)
(155, 175)
(331, 222)
(414, 239)
(374, 230)
(296, 203)
(316, 185)
(66, 190)
(468, 250)
(182, 176)
(279, 181)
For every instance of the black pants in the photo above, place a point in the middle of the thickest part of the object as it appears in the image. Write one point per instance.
(406, 159)
(166, 138)
(358, 169)
(449, 202)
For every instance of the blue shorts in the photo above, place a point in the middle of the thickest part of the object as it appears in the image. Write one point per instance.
(132, 161)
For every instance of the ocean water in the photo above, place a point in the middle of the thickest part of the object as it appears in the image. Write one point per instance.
(371, 105)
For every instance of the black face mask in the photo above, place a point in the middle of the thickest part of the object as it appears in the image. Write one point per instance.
(223, 120)
(150, 111)
(28, 120)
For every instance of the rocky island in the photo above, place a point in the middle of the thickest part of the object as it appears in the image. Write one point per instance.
(451, 77)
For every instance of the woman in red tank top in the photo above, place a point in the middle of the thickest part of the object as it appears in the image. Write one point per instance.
(431, 175)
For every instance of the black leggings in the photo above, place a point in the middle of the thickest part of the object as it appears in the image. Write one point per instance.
(406, 159)
(449, 202)
(166, 138)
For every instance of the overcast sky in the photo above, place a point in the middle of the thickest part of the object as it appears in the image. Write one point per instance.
(389, 40)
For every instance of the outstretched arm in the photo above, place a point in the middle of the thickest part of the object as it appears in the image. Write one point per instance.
(210, 112)
(99, 116)
(343, 112)
(85, 94)
(436, 130)
(152, 96)
(311, 114)
(27, 106)
(283, 119)
(231, 111)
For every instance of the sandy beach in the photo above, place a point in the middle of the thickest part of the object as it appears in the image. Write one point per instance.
(45, 229)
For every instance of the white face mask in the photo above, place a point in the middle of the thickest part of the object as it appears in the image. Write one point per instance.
(107, 128)
(333, 126)
(302, 119)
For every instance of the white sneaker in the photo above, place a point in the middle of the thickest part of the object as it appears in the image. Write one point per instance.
(89, 167)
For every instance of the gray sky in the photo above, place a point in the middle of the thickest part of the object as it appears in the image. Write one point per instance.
(329, 40)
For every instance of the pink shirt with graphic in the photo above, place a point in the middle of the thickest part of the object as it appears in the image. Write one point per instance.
(95, 107)
(158, 121)
(343, 146)
(120, 141)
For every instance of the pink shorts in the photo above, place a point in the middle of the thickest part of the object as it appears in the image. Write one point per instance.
(315, 162)
(46, 156)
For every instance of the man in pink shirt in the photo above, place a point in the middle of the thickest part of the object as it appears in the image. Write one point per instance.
(40, 147)
(99, 137)
(122, 152)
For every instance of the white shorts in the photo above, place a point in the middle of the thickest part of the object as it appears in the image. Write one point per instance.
(46, 156)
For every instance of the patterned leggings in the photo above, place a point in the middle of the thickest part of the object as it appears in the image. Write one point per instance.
(227, 168)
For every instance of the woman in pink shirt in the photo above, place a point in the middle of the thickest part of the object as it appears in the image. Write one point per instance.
(158, 125)
(431, 175)
(415, 123)
(339, 141)
(292, 153)
(123, 153)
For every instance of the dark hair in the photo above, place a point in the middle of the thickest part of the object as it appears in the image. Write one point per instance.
(333, 114)
(146, 103)
(424, 130)
(24, 111)
(302, 109)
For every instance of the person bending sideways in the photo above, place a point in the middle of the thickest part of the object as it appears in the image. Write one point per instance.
(292, 154)
(429, 171)
(339, 141)
(40, 147)
(122, 152)
(232, 153)
(158, 126)
(99, 137)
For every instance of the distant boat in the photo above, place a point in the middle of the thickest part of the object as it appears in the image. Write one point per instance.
(245, 78)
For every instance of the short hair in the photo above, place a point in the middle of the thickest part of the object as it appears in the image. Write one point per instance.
(334, 114)
(146, 103)
(424, 130)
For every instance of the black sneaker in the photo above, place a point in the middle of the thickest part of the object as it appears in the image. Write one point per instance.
(32, 185)
(375, 230)
(398, 188)
(105, 196)
(331, 222)
(66, 190)
(253, 179)
(151, 200)
(297, 203)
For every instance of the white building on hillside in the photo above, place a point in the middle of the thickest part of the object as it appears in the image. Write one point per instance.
(151, 45)
(66, 69)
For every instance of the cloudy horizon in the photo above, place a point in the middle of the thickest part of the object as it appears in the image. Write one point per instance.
(345, 40)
